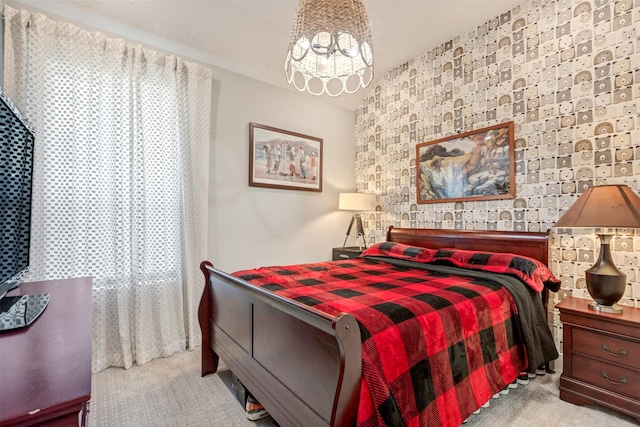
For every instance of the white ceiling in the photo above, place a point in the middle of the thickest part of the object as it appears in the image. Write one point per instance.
(250, 37)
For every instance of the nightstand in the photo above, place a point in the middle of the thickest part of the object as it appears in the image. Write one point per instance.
(346, 253)
(601, 357)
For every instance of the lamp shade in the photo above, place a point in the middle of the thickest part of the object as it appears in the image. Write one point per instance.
(606, 206)
(357, 201)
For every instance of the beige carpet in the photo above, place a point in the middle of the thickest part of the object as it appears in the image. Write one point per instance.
(171, 392)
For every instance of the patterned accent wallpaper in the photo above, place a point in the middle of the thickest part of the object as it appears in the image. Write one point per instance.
(567, 72)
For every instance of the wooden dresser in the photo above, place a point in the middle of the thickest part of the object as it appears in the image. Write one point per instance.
(601, 357)
(45, 368)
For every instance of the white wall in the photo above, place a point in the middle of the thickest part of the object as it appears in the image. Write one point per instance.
(253, 226)
(250, 226)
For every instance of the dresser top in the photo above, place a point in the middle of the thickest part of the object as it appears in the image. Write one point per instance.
(579, 306)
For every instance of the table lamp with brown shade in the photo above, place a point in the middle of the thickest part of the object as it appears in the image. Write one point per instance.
(604, 208)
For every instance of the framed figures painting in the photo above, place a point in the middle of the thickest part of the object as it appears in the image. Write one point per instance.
(476, 165)
(282, 159)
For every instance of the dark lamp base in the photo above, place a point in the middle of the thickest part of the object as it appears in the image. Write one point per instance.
(614, 309)
(605, 283)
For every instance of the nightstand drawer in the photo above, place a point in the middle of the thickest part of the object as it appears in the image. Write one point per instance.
(601, 374)
(606, 347)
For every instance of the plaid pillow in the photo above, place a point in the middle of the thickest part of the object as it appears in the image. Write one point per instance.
(401, 251)
(530, 271)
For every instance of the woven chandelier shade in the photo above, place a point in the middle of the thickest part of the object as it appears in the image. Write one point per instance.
(330, 49)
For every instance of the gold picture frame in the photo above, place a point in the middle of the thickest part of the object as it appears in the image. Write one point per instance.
(476, 165)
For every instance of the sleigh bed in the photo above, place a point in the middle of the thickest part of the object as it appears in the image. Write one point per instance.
(311, 368)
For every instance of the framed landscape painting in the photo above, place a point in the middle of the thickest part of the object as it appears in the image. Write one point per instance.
(282, 159)
(477, 165)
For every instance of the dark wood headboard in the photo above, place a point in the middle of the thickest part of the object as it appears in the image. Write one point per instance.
(532, 245)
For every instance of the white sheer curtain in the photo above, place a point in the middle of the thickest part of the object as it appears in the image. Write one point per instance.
(120, 181)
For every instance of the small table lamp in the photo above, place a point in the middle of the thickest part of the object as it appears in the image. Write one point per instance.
(605, 208)
(356, 202)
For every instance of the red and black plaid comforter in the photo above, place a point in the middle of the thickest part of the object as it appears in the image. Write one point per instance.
(435, 347)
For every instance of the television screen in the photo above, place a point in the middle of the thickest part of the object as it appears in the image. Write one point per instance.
(16, 163)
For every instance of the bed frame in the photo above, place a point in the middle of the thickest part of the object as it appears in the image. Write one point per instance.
(303, 365)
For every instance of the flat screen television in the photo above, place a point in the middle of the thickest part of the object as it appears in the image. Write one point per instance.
(16, 172)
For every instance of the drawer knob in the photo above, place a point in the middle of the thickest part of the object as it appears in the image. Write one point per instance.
(622, 352)
(344, 256)
(622, 380)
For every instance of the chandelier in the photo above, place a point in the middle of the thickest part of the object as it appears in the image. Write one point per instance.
(330, 50)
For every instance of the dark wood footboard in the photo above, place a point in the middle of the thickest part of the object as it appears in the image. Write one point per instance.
(301, 364)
